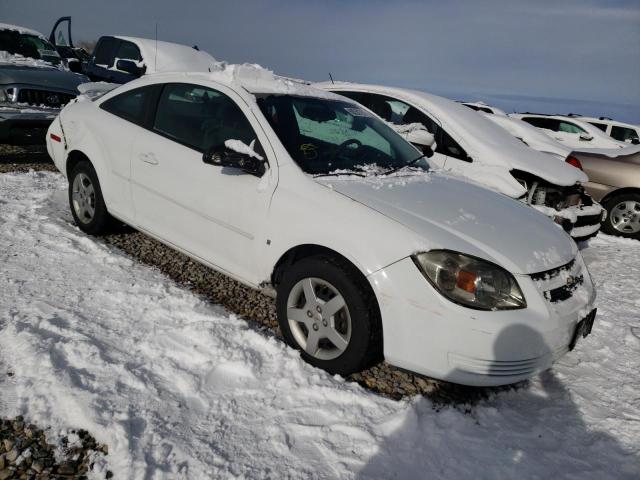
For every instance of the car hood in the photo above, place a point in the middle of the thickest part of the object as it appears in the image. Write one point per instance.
(453, 214)
(42, 77)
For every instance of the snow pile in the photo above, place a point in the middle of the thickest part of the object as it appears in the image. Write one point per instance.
(91, 91)
(180, 388)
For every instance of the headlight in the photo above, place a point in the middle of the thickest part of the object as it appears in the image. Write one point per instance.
(470, 281)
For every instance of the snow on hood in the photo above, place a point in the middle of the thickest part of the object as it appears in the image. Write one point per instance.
(171, 57)
(487, 143)
(450, 213)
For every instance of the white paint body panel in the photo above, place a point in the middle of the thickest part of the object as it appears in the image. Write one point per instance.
(242, 225)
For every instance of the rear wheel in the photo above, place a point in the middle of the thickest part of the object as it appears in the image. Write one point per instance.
(326, 309)
(623, 215)
(85, 199)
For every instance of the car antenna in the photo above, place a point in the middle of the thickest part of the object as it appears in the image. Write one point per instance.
(331, 78)
(155, 60)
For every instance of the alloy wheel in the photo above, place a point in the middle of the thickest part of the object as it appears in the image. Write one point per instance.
(83, 198)
(625, 216)
(319, 318)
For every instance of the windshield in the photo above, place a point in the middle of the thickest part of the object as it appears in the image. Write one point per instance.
(31, 46)
(324, 136)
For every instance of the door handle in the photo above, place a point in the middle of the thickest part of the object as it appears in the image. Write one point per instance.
(149, 158)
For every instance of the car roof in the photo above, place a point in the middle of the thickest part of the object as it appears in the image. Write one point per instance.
(245, 79)
(607, 121)
(18, 28)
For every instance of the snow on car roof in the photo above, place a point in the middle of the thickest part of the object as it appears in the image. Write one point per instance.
(160, 56)
(18, 28)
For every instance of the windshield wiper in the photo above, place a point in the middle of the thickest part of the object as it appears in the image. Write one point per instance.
(408, 164)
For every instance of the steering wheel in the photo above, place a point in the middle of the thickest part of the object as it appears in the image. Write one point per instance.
(344, 145)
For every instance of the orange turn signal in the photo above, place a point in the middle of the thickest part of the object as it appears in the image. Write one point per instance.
(466, 281)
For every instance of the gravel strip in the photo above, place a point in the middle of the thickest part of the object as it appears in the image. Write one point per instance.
(24, 158)
(25, 453)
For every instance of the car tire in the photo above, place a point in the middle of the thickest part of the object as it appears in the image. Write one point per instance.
(623, 216)
(86, 201)
(358, 343)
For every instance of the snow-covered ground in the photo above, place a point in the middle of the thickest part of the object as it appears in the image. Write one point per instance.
(180, 388)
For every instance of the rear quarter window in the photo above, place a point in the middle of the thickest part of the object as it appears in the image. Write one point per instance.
(130, 105)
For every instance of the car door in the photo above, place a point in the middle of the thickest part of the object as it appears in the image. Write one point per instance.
(398, 112)
(119, 120)
(217, 214)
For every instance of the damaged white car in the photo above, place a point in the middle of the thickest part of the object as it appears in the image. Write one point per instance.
(472, 146)
(310, 197)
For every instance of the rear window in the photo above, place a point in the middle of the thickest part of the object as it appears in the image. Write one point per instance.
(129, 105)
(103, 53)
(128, 51)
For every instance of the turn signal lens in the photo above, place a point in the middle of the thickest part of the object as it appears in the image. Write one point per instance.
(571, 160)
(466, 281)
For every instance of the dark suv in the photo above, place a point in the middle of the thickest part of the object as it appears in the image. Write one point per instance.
(34, 85)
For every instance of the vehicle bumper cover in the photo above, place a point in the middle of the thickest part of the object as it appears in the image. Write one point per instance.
(25, 126)
(427, 334)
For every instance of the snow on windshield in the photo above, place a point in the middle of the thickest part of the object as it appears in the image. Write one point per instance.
(19, 60)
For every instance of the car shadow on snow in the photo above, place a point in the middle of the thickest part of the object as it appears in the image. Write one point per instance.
(534, 431)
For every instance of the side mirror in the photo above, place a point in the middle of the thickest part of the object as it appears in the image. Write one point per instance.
(422, 139)
(236, 154)
(633, 140)
(585, 137)
(74, 65)
(129, 66)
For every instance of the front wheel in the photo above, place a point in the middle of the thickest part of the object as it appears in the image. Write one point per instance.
(85, 199)
(327, 310)
(623, 216)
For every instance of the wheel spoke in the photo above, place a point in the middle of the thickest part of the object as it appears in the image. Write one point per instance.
(309, 292)
(312, 342)
(337, 339)
(299, 315)
(333, 306)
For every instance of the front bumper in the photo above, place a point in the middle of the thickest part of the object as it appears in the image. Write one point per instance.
(588, 220)
(25, 125)
(427, 334)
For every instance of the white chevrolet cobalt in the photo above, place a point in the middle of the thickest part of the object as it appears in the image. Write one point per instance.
(308, 196)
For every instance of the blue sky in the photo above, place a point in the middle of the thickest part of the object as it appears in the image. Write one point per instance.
(518, 55)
